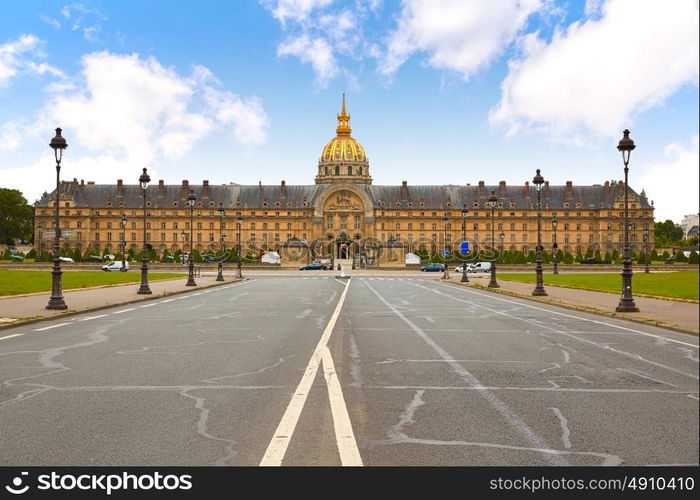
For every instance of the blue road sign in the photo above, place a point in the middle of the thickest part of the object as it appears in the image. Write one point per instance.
(446, 252)
(464, 247)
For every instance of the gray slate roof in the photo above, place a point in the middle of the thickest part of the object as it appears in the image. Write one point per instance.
(298, 197)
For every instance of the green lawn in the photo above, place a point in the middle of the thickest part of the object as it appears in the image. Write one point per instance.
(15, 282)
(675, 284)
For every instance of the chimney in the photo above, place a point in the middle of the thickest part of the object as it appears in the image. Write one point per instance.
(260, 185)
(283, 188)
(546, 189)
(620, 188)
(205, 189)
(161, 188)
(185, 188)
(120, 187)
(569, 191)
(482, 190)
(606, 189)
(91, 183)
(527, 189)
(502, 189)
(404, 190)
(82, 182)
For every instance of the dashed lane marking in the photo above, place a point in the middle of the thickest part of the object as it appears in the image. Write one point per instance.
(50, 327)
(11, 336)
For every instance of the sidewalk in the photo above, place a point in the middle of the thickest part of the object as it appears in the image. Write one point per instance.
(32, 307)
(671, 314)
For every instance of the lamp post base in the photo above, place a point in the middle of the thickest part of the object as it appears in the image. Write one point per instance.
(57, 304)
(465, 278)
(144, 289)
(220, 276)
(539, 292)
(493, 283)
(239, 272)
(627, 306)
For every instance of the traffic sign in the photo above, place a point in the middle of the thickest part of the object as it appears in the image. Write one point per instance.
(446, 252)
(464, 247)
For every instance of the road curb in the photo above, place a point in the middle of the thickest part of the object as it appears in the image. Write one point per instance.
(568, 305)
(13, 324)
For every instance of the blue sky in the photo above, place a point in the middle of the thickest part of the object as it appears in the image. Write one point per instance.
(440, 91)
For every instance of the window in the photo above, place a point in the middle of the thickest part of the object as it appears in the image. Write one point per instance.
(264, 226)
(524, 238)
(349, 170)
(199, 225)
(398, 226)
(162, 236)
(525, 227)
(512, 227)
(133, 236)
(476, 227)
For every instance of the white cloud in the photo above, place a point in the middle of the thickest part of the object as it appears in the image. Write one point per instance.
(125, 110)
(595, 76)
(457, 35)
(673, 185)
(87, 19)
(316, 52)
(51, 21)
(23, 56)
(297, 10)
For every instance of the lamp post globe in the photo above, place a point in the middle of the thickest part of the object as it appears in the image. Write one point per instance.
(239, 271)
(625, 146)
(144, 289)
(538, 180)
(465, 211)
(446, 273)
(123, 225)
(491, 203)
(220, 274)
(58, 144)
(555, 267)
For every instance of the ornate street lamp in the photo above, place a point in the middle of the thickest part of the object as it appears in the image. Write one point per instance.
(491, 203)
(646, 250)
(220, 274)
(331, 250)
(625, 146)
(465, 278)
(239, 271)
(58, 144)
(501, 237)
(538, 180)
(555, 268)
(144, 289)
(191, 198)
(183, 234)
(446, 274)
(123, 224)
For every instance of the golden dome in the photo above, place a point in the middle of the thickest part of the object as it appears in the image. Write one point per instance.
(343, 147)
(343, 158)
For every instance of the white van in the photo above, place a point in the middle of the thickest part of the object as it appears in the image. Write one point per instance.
(116, 266)
(480, 267)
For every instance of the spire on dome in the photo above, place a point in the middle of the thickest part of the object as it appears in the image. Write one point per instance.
(343, 121)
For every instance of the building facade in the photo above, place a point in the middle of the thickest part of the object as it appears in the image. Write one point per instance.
(343, 215)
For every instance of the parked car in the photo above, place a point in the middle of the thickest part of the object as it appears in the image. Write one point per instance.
(433, 267)
(314, 266)
(469, 265)
(65, 259)
(480, 267)
(116, 266)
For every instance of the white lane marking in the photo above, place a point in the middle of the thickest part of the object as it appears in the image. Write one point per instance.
(642, 375)
(13, 335)
(166, 300)
(344, 436)
(692, 396)
(573, 316)
(586, 341)
(124, 310)
(149, 305)
(564, 427)
(504, 410)
(283, 434)
(92, 317)
(50, 327)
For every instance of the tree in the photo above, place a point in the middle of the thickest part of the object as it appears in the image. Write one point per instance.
(597, 256)
(667, 233)
(654, 255)
(680, 256)
(16, 217)
(693, 258)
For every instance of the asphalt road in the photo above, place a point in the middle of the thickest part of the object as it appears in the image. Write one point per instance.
(305, 369)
